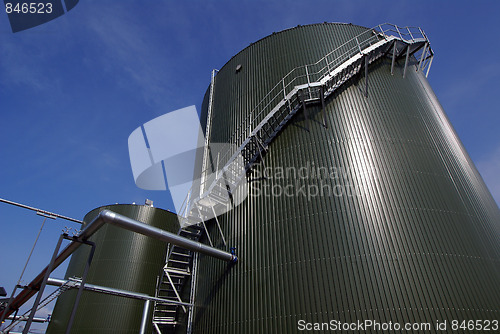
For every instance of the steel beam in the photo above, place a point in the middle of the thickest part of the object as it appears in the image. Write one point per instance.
(113, 291)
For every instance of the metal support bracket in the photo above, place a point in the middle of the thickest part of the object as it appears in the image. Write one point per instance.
(422, 57)
(218, 226)
(429, 67)
(323, 111)
(406, 61)
(175, 290)
(393, 58)
(205, 227)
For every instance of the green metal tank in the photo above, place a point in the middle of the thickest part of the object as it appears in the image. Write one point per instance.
(122, 260)
(381, 215)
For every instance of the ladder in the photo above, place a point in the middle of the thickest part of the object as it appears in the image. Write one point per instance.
(301, 87)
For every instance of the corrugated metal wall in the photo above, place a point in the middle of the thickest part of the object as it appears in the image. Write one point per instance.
(401, 229)
(122, 260)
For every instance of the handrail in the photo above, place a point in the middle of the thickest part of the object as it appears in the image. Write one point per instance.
(307, 74)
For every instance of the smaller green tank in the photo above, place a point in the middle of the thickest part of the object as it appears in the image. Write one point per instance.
(122, 260)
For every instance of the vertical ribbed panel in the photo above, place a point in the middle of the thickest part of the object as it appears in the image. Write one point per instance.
(122, 260)
(417, 239)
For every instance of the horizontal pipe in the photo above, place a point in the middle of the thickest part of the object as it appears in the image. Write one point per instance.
(39, 211)
(107, 216)
(112, 291)
(24, 318)
(156, 233)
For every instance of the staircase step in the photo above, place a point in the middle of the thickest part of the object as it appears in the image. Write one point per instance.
(178, 271)
(186, 255)
(179, 261)
(189, 233)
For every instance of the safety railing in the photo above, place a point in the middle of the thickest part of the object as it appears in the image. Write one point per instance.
(308, 74)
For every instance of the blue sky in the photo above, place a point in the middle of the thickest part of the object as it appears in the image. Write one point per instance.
(72, 90)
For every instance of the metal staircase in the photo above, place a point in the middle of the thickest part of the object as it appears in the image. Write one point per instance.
(301, 87)
(177, 276)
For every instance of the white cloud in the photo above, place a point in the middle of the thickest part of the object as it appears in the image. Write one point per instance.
(489, 167)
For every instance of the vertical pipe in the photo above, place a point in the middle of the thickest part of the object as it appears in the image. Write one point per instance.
(44, 283)
(145, 314)
(82, 285)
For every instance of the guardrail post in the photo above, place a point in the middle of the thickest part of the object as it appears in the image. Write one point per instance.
(308, 83)
(359, 46)
(422, 33)
(381, 30)
(409, 31)
(284, 90)
(399, 32)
